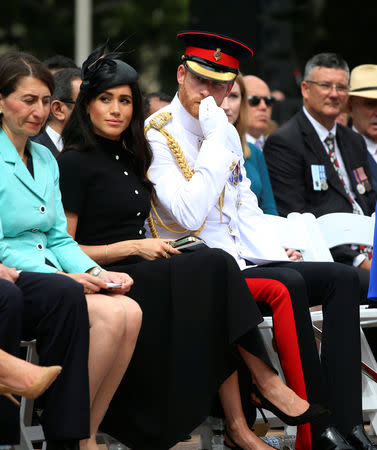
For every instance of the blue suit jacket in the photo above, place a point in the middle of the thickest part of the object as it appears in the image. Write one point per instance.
(33, 226)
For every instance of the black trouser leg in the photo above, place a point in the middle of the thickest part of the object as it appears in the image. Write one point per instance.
(337, 288)
(301, 367)
(55, 313)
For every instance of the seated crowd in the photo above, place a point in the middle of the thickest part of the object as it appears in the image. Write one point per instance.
(135, 336)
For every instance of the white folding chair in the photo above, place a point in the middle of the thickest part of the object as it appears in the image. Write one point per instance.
(301, 232)
(346, 228)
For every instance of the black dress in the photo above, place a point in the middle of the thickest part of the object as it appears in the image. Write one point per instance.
(195, 306)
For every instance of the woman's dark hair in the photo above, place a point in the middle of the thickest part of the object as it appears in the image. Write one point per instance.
(16, 65)
(78, 133)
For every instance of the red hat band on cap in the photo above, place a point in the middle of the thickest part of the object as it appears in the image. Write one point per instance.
(216, 56)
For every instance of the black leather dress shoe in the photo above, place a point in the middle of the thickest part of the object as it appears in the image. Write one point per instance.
(331, 439)
(72, 444)
(359, 439)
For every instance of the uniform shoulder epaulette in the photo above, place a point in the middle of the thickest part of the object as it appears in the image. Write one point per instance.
(159, 121)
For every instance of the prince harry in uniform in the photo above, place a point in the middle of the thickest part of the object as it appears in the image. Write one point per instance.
(202, 189)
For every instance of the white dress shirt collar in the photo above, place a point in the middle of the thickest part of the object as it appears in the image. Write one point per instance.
(252, 140)
(322, 131)
(55, 137)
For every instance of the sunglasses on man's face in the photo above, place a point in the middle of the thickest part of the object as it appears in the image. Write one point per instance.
(254, 100)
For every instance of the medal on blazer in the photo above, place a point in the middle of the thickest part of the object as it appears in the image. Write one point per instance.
(236, 176)
(323, 178)
(319, 177)
(361, 180)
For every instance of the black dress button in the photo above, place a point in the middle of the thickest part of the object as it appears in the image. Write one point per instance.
(42, 209)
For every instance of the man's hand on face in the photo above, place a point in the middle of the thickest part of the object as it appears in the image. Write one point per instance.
(213, 119)
(8, 273)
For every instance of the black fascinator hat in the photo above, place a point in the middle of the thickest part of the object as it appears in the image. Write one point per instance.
(100, 72)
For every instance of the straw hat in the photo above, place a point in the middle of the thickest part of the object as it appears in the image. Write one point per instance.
(363, 81)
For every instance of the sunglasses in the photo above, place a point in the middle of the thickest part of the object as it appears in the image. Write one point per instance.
(254, 100)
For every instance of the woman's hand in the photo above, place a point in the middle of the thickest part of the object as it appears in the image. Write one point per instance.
(118, 278)
(293, 255)
(8, 273)
(91, 284)
(152, 248)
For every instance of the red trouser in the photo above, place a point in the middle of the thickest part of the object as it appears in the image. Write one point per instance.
(276, 295)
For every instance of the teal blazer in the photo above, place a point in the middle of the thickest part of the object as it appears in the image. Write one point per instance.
(33, 226)
(256, 171)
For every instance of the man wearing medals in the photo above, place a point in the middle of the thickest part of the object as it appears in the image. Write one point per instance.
(202, 189)
(362, 106)
(319, 166)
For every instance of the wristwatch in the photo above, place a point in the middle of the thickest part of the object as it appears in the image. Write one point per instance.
(96, 271)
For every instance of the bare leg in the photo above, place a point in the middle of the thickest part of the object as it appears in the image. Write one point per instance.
(16, 372)
(272, 387)
(236, 425)
(114, 326)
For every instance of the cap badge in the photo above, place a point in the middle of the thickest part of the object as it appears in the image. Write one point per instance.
(217, 55)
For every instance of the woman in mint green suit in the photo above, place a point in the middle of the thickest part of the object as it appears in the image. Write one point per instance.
(32, 218)
(34, 238)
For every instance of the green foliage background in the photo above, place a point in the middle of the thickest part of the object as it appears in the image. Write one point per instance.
(46, 27)
(283, 33)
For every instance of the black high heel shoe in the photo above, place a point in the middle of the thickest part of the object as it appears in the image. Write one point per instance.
(314, 411)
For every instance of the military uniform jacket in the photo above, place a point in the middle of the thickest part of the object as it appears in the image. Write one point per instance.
(33, 226)
(290, 153)
(241, 229)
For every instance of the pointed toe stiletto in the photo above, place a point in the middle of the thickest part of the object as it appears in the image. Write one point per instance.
(314, 411)
(43, 382)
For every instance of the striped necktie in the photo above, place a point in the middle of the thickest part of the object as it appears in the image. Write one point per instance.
(330, 143)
